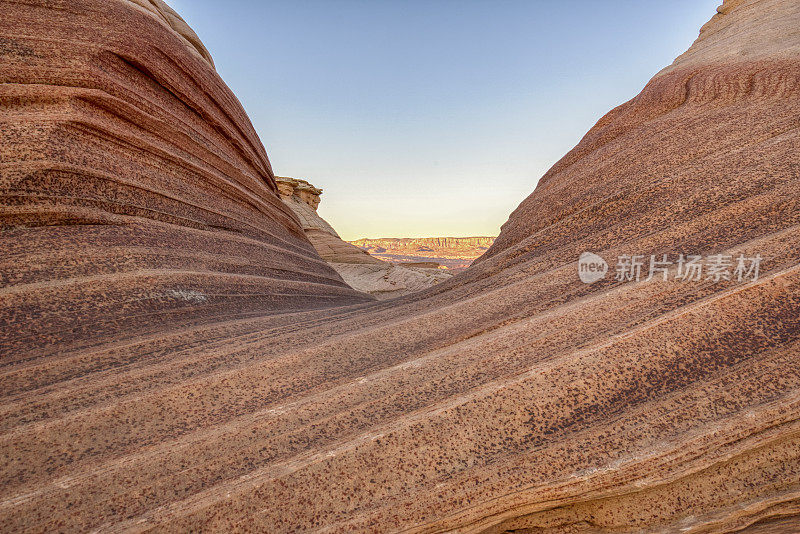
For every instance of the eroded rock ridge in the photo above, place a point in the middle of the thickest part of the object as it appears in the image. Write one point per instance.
(176, 355)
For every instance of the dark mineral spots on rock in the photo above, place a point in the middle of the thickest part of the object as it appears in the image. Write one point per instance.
(182, 347)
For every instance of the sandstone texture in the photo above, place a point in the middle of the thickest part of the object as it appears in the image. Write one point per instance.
(356, 266)
(168, 16)
(135, 193)
(177, 357)
(387, 280)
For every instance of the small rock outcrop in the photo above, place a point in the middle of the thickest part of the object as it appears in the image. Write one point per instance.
(303, 199)
(356, 266)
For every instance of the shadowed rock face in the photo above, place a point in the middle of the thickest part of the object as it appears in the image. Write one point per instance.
(132, 178)
(510, 398)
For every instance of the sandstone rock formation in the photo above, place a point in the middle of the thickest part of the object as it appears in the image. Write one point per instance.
(357, 267)
(455, 253)
(168, 16)
(387, 281)
(303, 199)
(177, 357)
(131, 178)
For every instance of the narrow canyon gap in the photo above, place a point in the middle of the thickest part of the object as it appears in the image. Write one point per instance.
(176, 356)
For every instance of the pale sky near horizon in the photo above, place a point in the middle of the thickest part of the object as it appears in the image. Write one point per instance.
(433, 118)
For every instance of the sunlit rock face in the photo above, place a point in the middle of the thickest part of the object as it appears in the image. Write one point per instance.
(512, 398)
(357, 267)
(303, 199)
(710, 118)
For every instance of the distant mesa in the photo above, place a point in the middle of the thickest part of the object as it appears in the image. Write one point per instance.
(452, 253)
(425, 264)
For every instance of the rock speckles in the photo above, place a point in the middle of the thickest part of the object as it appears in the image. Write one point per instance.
(177, 357)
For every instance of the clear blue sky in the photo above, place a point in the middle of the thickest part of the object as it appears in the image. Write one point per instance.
(437, 117)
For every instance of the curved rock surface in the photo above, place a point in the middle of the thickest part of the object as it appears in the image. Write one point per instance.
(510, 398)
(135, 193)
(174, 21)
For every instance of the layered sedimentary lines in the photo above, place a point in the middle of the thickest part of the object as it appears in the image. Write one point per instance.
(135, 193)
(174, 21)
(176, 356)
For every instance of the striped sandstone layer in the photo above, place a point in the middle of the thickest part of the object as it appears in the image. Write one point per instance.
(512, 397)
(135, 192)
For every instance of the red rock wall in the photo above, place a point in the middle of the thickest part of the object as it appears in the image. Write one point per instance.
(135, 192)
(511, 398)
(693, 142)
